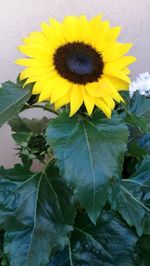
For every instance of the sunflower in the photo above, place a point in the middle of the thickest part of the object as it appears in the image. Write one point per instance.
(77, 62)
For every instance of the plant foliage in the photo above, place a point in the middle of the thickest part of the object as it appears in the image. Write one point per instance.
(90, 203)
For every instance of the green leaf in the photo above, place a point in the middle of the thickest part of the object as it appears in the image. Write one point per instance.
(135, 149)
(62, 259)
(64, 195)
(1, 244)
(139, 113)
(21, 138)
(140, 105)
(28, 125)
(134, 198)
(144, 247)
(30, 139)
(17, 124)
(110, 243)
(90, 154)
(32, 215)
(12, 99)
(36, 125)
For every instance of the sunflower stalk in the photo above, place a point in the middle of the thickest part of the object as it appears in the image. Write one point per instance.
(45, 108)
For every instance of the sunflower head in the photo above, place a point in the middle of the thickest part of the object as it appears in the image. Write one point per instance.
(77, 62)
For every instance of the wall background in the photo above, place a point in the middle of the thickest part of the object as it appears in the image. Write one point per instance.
(20, 17)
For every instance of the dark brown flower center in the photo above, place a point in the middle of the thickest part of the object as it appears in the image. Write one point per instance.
(78, 62)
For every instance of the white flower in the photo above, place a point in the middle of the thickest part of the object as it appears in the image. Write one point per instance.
(141, 84)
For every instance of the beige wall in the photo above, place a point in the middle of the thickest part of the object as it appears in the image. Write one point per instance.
(19, 17)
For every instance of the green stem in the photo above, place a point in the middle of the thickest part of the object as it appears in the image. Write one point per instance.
(47, 164)
(70, 257)
(41, 107)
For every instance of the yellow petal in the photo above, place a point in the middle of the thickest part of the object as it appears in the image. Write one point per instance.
(51, 88)
(51, 37)
(88, 101)
(96, 89)
(33, 37)
(126, 60)
(110, 38)
(62, 101)
(83, 28)
(70, 28)
(38, 87)
(30, 72)
(38, 38)
(116, 73)
(96, 20)
(121, 62)
(76, 99)
(114, 33)
(98, 36)
(45, 94)
(116, 51)
(59, 87)
(108, 86)
(48, 31)
(35, 51)
(103, 88)
(32, 62)
(100, 103)
(29, 80)
(110, 102)
(43, 77)
(119, 84)
(55, 24)
(126, 71)
(56, 28)
(95, 23)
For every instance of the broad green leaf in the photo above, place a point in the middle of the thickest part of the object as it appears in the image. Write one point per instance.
(3, 259)
(144, 143)
(12, 100)
(64, 195)
(134, 198)
(90, 154)
(1, 244)
(136, 149)
(32, 215)
(140, 105)
(62, 258)
(139, 113)
(138, 118)
(144, 246)
(108, 243)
